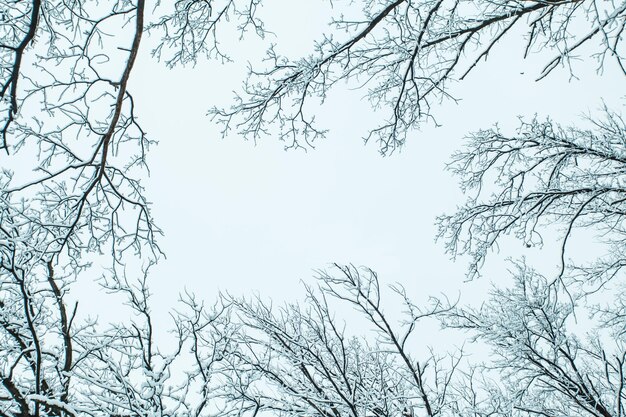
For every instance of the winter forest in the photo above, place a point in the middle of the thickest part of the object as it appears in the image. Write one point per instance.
(309, 208)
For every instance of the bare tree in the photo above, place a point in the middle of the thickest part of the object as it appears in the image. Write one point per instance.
(405, 53)
(544, 175)
(552, 353)
(190, 29)
(74, 149)
(73, 154)
(300, 359)
(558, 341)
(543, 368)
(56, 365)
(65, 122)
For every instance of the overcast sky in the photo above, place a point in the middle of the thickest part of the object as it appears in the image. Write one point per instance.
(241, 216)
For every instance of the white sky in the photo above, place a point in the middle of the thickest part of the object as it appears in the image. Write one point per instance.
(241, 217)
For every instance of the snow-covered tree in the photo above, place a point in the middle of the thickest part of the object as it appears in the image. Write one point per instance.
(405, 54)
(301, 359)
(544, 175)
(73, 155)
(543, 360)
(556, 340)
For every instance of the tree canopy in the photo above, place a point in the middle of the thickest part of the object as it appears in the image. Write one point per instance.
(74, 154)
